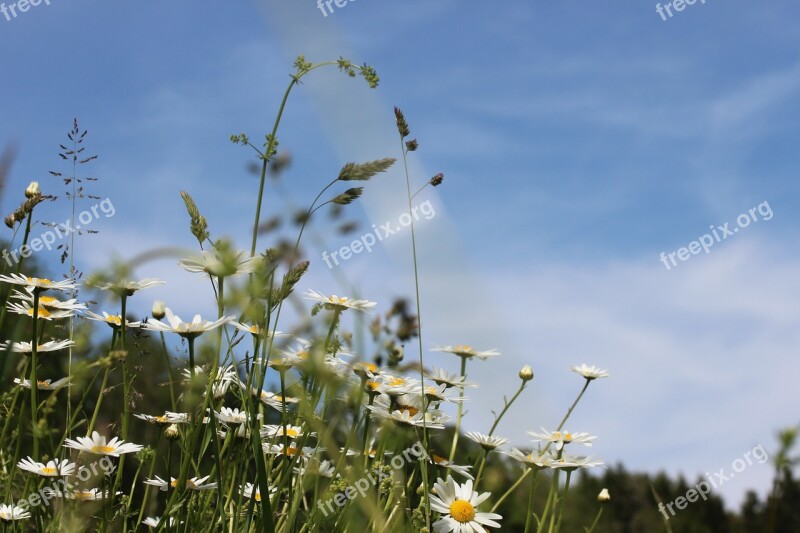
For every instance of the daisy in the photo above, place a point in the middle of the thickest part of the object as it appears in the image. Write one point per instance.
(152, 521)
(53, 468)
(225, 377)
(9, 513)
(363, 369)
(127, 287)
(590, 372)
(336, 303)
(166, 419)
(562, 437)
(444, 463)
(441, 377)
(247, 491)
(97, 445)
(438, 394)
(80, 495)
(221, 265)
(458, 505)
(115, 321)
(44, 384)
(468, 352)
(27, 347)
(408, 417)
(39, 284)
(574, 462)
(291, 450)
(25, 308)
(536, 459)
(276, 401)
(49, 302)
(257, 331)
(195, 483)
(272, 431)
(188, 330)
(233, 416)
(487, 442)
(321, 468)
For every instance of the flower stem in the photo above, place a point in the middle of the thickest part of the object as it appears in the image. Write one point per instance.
(460, 410)
(33, 380)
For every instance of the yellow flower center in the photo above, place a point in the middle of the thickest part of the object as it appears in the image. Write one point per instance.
(397, 382)
(254, 330)
(292, 432)
(114, 320)
(410, 409)
(41, 281)
(373, 385)
(258, 496)
(83, 495)
(291, 451)
(102, 449)
(337, 300)
(439, 460)
(48, 300)
(462, 511)
(49, 471)
(43, 313)
(463, 348)
(43, 383)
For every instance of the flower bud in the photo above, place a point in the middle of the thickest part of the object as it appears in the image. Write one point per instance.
(11, 220)
(159, 310)
(604, 496)
(32, 190)
(172, 432)
(526, 374)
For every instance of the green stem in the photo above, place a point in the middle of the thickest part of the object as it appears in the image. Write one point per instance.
(551, 497)
(508, 404)
(529, 514)
(596, 520)
(460, 410)
(563, 503)
(33, 380)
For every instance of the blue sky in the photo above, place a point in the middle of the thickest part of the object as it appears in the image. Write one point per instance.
(578, 143)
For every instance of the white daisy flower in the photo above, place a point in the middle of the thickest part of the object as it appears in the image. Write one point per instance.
(152, 521)
(195, 483)
(444, 463)
(574, 462)
(562, 437)
(80, 495)
(291, 450)
(49, 302)
(469, 352)
(275, 401)
(537, 459)
(337, 303)
(25, 308)
(39, 284)
(365, 369)
(53, 468)
(320, 468)
(166, 419)
(222, 264)
(247, 491)
(98, 445)
(410, 416)
(45, 384)
(27, 347)
(114, 321)
(232, 416)
(9, 513)
(487, 442)
(441, 377)
(127, 287)
(188, 330)
(458, 505)
(590, 372)
(226, 376)
(273, 431)
(438, 393)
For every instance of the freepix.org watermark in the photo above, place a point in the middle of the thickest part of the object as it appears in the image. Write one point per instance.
(61, 486)
(360, 487)
(715, 480)
(378, 233)
(718, 234)
(59, 231)
(326, 6)
(14, 9)
(677, 5)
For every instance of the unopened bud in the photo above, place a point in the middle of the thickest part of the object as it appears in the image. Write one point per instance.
(604, 496)
(159, 310)
(32, 190)
(11, 220)
(526, 374)
(172, 432)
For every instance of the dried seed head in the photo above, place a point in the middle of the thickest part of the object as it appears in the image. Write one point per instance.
(402, 125)
(437, 179)
(412, 145)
